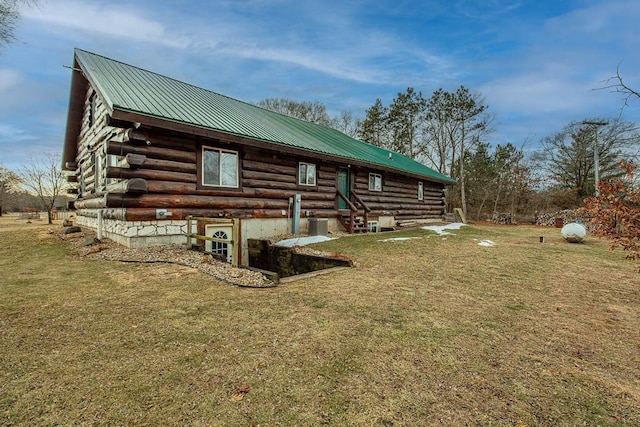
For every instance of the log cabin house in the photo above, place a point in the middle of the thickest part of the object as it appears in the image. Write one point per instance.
(146, 151)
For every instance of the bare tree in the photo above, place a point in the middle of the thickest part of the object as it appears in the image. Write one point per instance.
(44, 177)
(314, 112)
(439, 140)
(567, 158)
(456, 123)
(9, 15)
(346, 123)
(8, 184)
(617, 84)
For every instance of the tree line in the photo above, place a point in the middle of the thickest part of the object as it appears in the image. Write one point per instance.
(438, 131)
(450, 132)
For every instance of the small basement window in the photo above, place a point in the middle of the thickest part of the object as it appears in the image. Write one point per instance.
(220, 248)
(307, 174)
(219, 167)
(420, 191)
(375, 182)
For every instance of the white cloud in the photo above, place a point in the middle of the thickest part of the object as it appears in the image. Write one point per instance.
(106, 18)
(485, 9)
(10, 132)
(9, 78)
(338, 47)
(360, 60)
(536, 74)
(602, 19)
(16, 91)
(554, 76)
(535, 93)
(331, 65)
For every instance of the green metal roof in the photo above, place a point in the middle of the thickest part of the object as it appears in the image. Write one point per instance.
(132, 89)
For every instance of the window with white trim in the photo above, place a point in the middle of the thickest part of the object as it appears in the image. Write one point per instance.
(220, 248)
(219, 167)
(375, 182)
(420, 190)
(307, 174)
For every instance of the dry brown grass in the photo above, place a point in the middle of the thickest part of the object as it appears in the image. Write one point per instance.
(429, 331)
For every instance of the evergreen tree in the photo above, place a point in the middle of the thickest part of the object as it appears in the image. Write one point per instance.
(405, 119)
(373, 129)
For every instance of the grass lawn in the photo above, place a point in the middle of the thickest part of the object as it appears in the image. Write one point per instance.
(428, 331)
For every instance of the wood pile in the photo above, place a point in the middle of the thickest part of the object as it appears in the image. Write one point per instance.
(450, 217)
(567, 215)
(408, 223)
(503, 218)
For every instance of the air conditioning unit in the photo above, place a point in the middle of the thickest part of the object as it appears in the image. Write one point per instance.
(318, 226)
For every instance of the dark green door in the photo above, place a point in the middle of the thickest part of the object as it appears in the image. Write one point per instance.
(343, 186)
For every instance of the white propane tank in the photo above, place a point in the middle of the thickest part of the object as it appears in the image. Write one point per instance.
(574, 232)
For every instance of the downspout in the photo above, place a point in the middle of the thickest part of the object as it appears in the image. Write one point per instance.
(100, 222)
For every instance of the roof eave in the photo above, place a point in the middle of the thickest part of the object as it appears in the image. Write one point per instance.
(74, 116)
(124, 114)
(80, 79)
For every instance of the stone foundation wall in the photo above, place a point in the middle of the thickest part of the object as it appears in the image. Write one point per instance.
(139, 234)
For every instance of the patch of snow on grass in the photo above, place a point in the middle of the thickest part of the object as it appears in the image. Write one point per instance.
(487, 243)
(398, 239)
(303, 241)
(441, 229)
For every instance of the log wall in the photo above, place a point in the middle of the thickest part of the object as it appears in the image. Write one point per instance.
(131, 173)
(399, 196)
(92, 159)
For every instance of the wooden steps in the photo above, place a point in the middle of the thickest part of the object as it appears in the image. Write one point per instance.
(358, 225)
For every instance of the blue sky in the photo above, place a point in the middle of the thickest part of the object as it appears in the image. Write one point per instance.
(538, 64)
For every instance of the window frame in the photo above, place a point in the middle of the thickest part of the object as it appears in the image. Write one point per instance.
(420, 191)
(111, 160)
(202, 183)
(99, 183)
(306, 175)
(374, 176)
(92, 109)
(220, 248)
